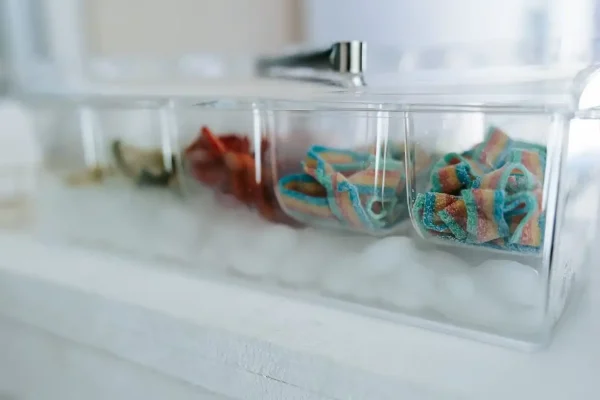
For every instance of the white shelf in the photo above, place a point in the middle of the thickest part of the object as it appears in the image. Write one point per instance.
(39, 365)
(243, 343)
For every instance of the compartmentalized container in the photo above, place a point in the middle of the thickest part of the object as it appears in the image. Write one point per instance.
(472, 214)
(111, 173)
(470, 210)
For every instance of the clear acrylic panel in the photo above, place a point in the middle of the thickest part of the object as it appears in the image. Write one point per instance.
(340, 165)
(111, 174)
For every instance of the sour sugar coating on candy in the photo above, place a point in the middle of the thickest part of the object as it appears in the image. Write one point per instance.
(490, 195)
(359, 190)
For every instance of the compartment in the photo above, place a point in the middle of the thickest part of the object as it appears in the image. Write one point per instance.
(341, 165)
(487, 183)
(226, 152)
(111, 174)
(487, 211)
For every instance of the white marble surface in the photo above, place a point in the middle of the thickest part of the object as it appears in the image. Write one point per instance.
(245, 344)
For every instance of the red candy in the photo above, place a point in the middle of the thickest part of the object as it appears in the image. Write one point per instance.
(228, 164)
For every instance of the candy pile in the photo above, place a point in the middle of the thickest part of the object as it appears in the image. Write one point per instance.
(490, 195)
(363, 191)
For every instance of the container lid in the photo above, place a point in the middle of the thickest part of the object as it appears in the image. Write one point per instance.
(498, 74)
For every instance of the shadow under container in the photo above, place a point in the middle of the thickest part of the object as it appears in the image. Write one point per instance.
(111, 176)
(496, 195)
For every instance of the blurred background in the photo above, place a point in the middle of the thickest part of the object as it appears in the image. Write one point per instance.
(65, 44)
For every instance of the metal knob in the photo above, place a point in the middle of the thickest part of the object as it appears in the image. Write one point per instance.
(349, 57)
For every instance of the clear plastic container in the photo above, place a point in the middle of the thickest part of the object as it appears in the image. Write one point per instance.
(470, 214)
(353, 197)
(111, 173)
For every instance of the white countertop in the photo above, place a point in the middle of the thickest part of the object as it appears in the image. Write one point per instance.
(38, 365)
(243, 343)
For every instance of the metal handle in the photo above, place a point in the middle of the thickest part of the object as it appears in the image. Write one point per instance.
(342, 62)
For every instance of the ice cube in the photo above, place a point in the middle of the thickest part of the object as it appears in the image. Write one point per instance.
(509, 281)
